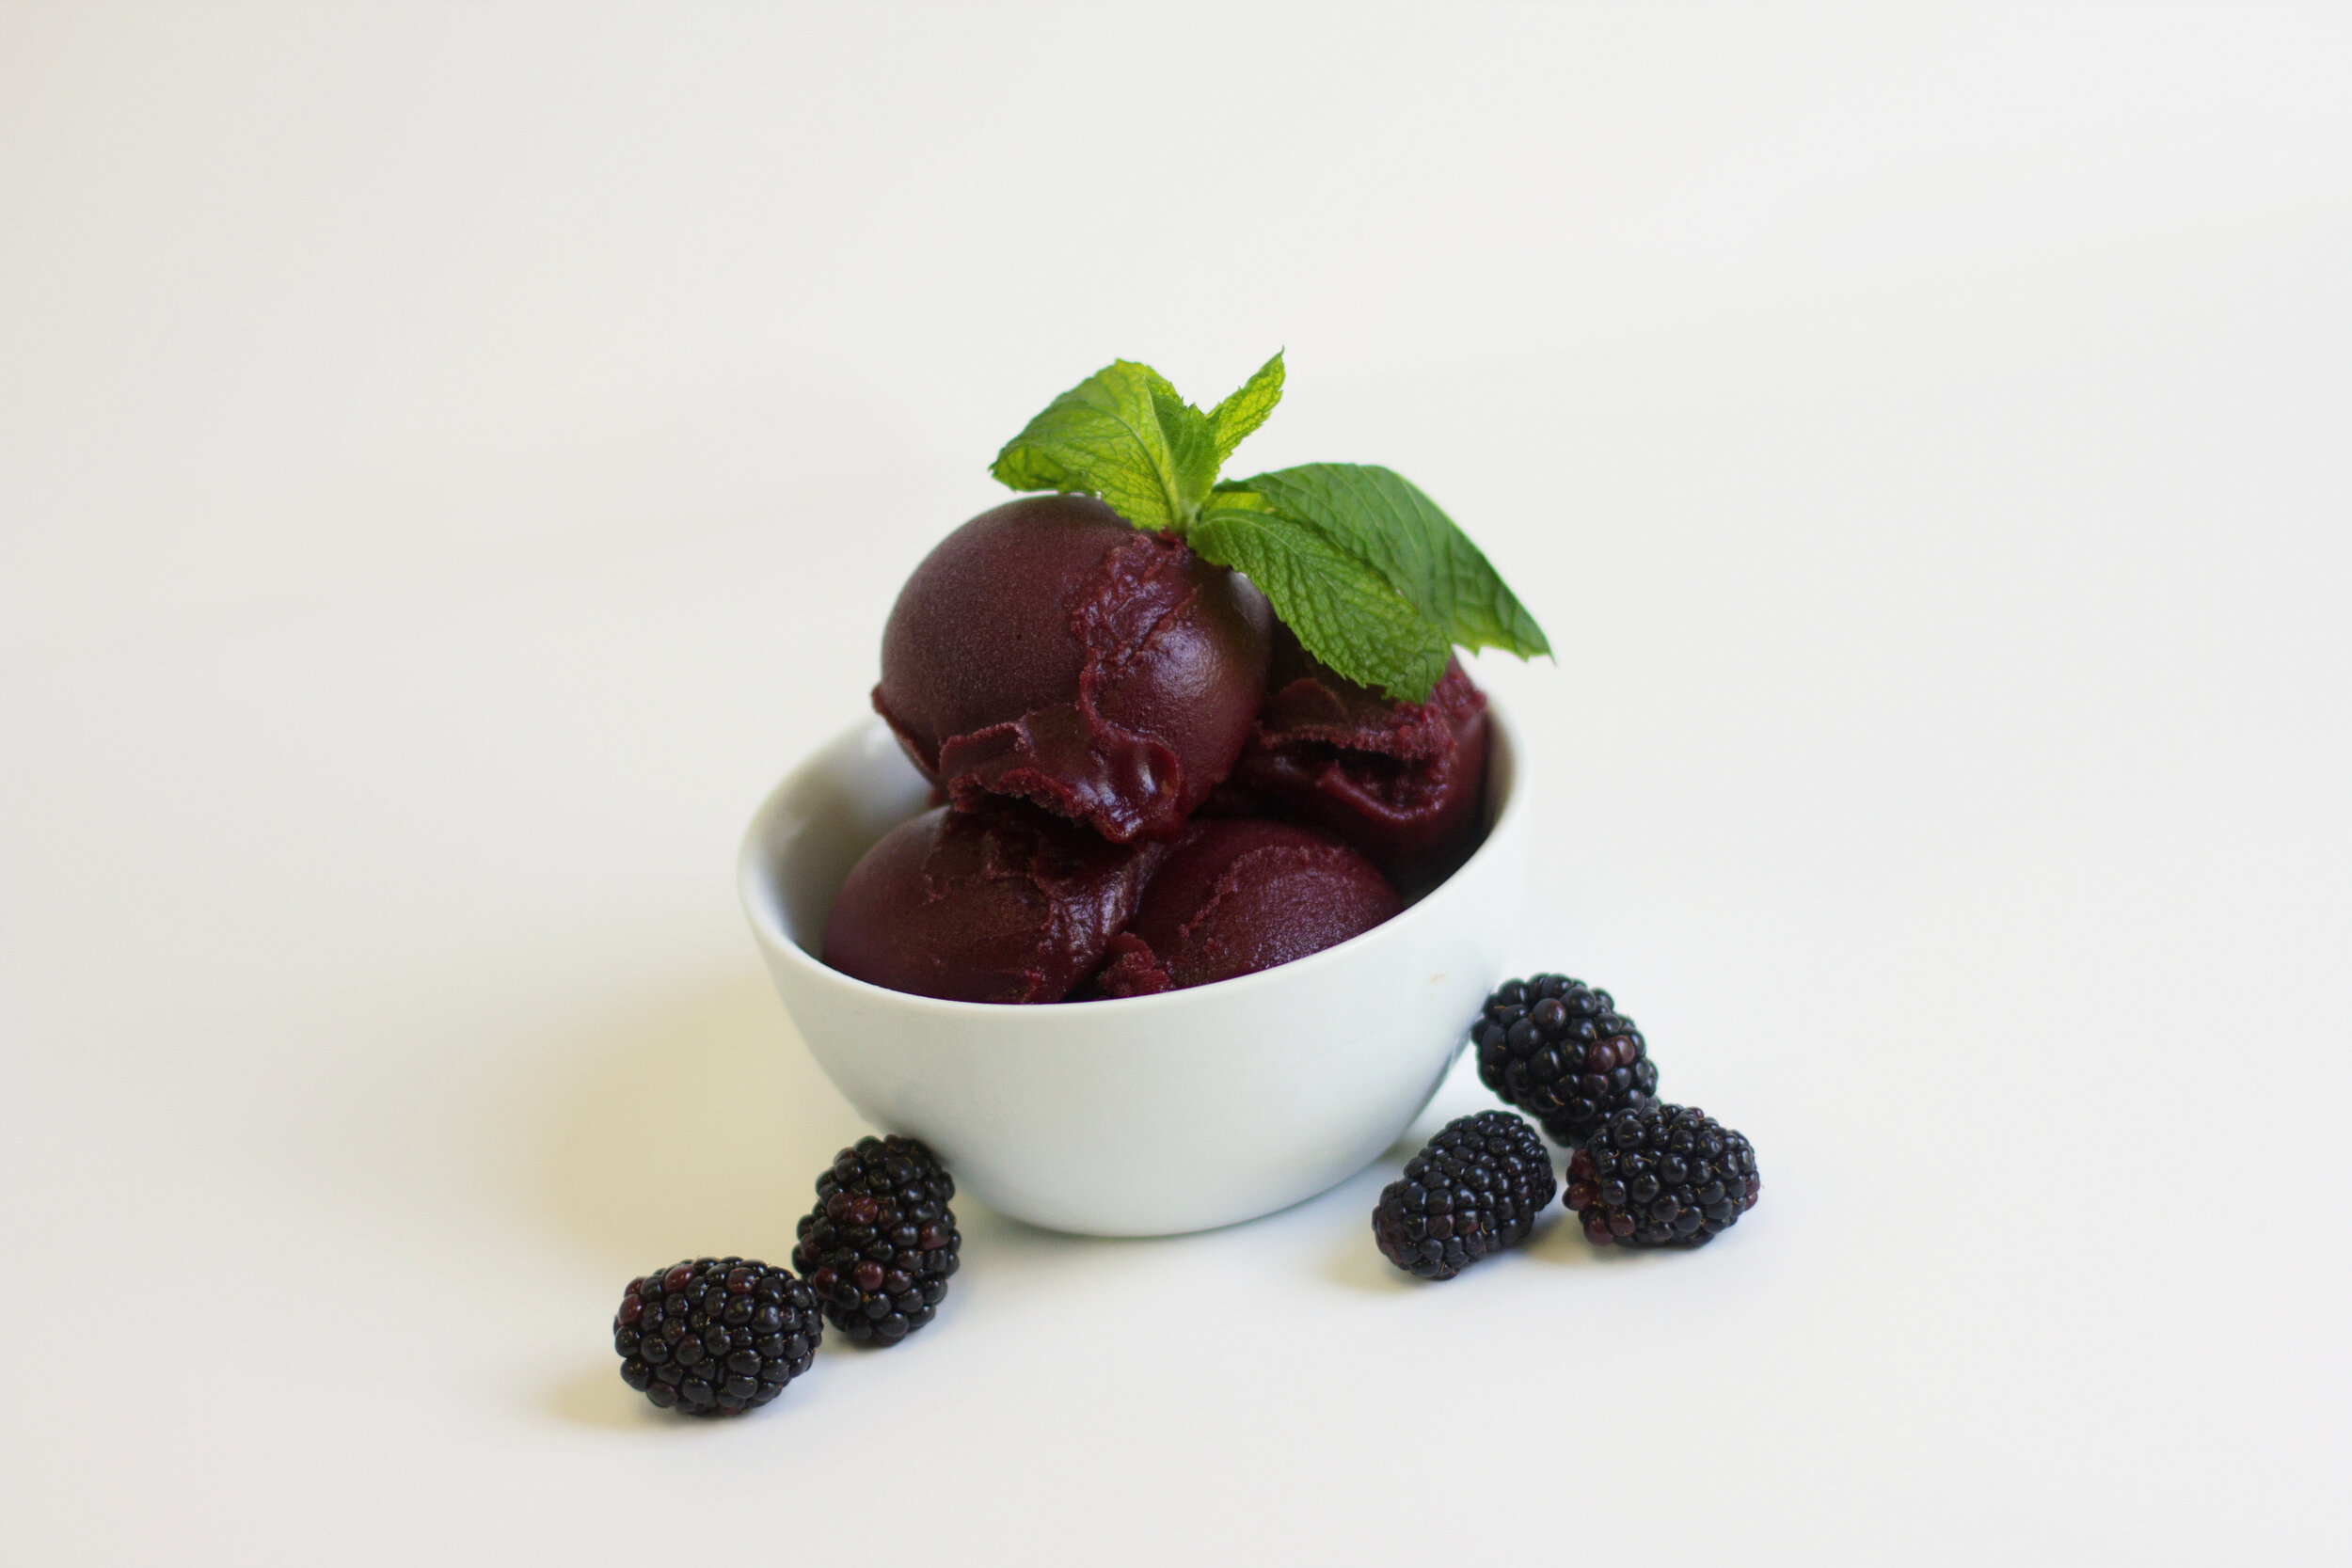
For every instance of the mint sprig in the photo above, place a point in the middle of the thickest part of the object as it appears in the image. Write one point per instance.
(1240, 415)
(1342, 607)
(1374, 578)
(1384, 519)
(1121, 434)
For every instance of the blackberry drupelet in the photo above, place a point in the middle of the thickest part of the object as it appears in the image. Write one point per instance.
(1475, 1188)
(717, 1335)
(880, 1244)
(1663, 1176)
(1560, 1048)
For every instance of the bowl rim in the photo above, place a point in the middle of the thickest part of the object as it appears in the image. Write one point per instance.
(756, 892)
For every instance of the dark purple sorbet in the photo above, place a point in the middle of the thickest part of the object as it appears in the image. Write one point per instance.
(1050, 651)
(1402, 782)
(1001, 904)
(1239, 895)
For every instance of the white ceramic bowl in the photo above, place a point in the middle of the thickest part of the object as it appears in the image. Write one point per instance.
(1148, 1115)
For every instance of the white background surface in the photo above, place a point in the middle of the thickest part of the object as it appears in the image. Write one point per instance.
(451, 463)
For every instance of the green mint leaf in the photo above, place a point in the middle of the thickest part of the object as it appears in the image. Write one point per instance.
(1342, 610)
(1121, 434)
(1247, 408)
(1372, 576)
(1192, 454)
(1380, 518)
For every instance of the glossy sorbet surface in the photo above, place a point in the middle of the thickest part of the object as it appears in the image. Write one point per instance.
(1050, 651)
(1400, 780)
(1000, 904)
(1239, 895)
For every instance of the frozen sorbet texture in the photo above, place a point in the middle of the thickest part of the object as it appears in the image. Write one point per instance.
(1048, 650)
(1000, 904)
(1400, 780)
(1239, 894)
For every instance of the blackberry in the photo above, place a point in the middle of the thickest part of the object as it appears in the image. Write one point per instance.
(1663, 1176)
(1559, 1048)
(1475, 1188)
(880, 1244)
(717, 1335)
